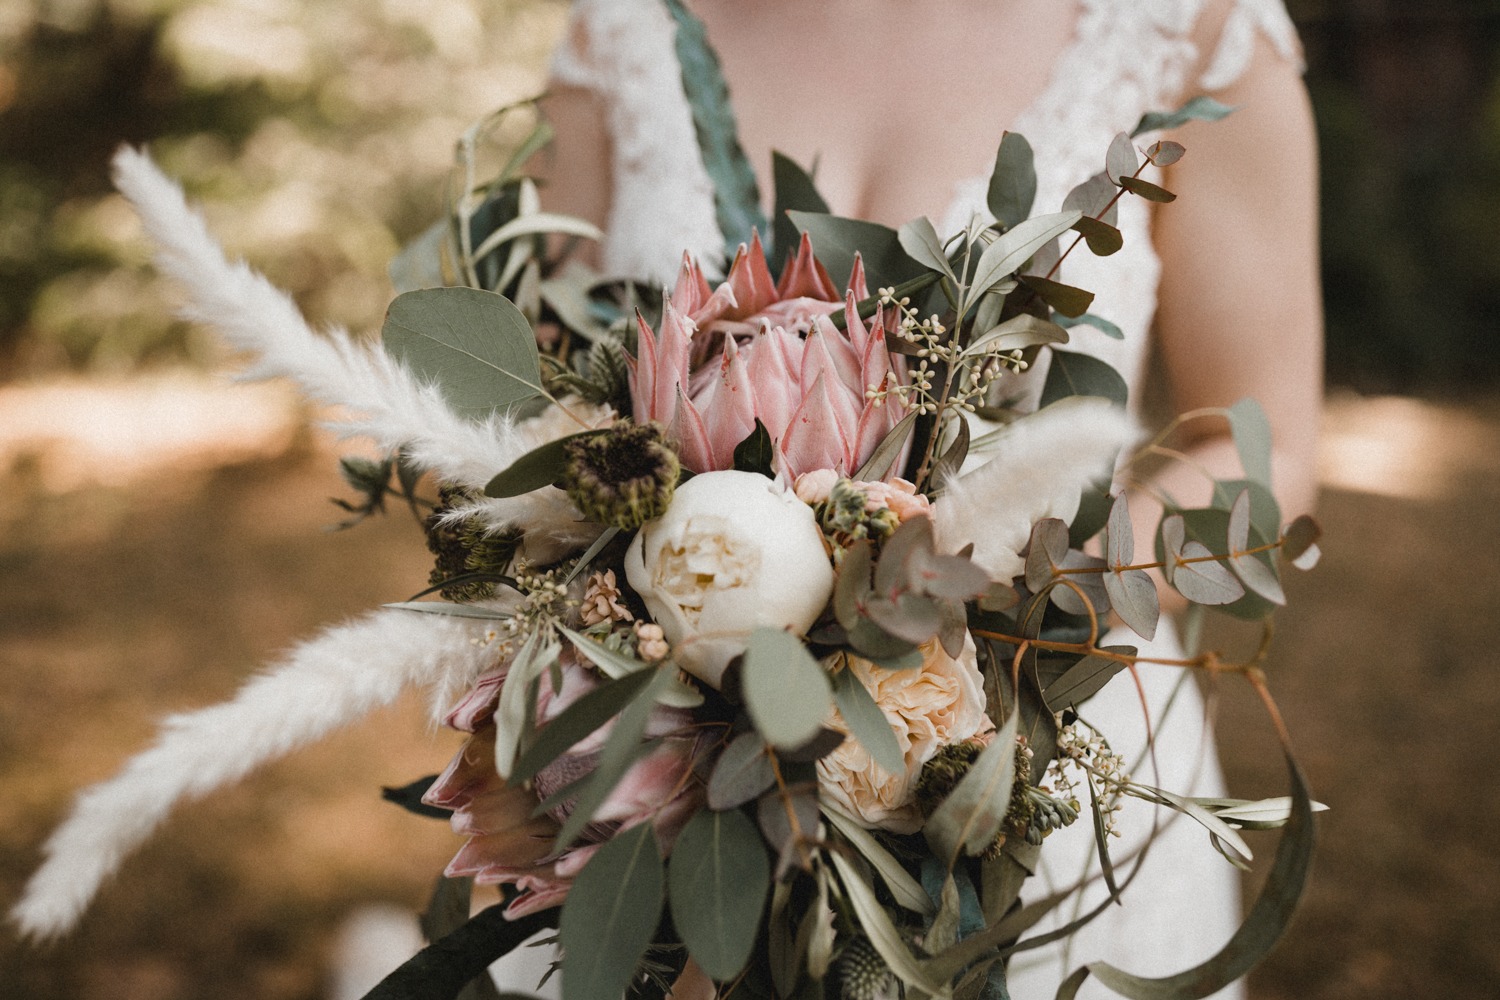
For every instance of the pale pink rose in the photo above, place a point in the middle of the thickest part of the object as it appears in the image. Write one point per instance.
(898, 496)
(929, 707)
(814, 487)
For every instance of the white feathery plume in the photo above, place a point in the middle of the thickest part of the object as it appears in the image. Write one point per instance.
(322, 684)
(1042, 463)
(388, 403)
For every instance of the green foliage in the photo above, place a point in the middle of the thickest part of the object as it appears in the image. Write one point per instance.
(786, 690)
(475, 345)
(1012, 186)
(836, 240)
(442, 969)
(611, 915)
(795, 191)
(718, 881)
(736, 196)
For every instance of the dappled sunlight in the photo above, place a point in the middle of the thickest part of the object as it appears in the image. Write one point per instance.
(1402, 448)
(76, 432)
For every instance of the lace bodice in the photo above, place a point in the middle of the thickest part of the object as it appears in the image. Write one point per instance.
(1126, 57)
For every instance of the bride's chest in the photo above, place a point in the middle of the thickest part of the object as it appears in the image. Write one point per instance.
(891, 111)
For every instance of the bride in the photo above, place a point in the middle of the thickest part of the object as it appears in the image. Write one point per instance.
(900, 105)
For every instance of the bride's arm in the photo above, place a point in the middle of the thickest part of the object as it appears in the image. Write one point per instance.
(573, 171)
(1240, 309)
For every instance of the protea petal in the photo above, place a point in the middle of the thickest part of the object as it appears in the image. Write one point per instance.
(826, 349)
(814, 438)
(691, 436)
(643, 375)
(750, 280)
(805, 277)
(672, 363)
(727, 405)
(774, 387)
(691, 290)
(858, 287)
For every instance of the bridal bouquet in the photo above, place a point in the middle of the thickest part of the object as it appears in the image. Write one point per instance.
(771, 622)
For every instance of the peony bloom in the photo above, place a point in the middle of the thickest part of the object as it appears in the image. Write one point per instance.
(506, 844)
(936, 705)
(733, 553)
(751, 350)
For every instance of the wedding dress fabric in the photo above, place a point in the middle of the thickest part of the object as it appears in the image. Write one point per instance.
(1127, 57)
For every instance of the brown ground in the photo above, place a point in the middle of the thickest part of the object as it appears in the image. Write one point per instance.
(121, 603)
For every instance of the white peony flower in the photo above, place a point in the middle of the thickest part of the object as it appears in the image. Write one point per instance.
(734, 552)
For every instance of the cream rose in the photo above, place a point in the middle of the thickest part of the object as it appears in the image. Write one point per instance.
(734, 552)
(928, 707)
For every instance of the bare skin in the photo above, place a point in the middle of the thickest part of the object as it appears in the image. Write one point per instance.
(1240, 307)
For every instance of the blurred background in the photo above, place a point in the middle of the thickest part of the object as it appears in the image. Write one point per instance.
(162, 533)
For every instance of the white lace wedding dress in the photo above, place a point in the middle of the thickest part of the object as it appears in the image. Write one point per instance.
(1127, 57)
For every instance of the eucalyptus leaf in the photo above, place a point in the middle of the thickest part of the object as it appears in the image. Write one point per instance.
(742, 772)
(409, 797)
(1121, 160)
(476, 346)
(866, 722)
(1072, 374)
(1099, 323)
(578, 720)
(1012, 187)
(1084, 679)
(736, 196)
(1066, 299)
(540, 467)
(887, 451)
(1268, 919)
(1020, 331)
(620, 751)
(969, 819)
(1252, 439)
(612, 663)
(611, 915)
(756, 453)
(836, 240)
(1205, 580)
(904, 889)
(883, 934)
(1015, 247)
(1147, 190)
(794, 190)
(420, 262)
(922, 244)
(1300, 539)
(1200, 108)
(1165, 153)
(1132, 596)
(1253, 573)
(1102, 238)
(452, 610)
(536, 224)
(718, 879)
(1095, 198)
(442, 969)
(786, 690)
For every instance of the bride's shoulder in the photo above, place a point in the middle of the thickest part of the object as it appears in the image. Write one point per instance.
(1216, 37)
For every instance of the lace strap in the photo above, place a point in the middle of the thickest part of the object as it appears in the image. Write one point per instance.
(1236, 44)
(662, 199)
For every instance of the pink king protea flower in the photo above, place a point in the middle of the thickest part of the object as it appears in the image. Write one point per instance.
(753, 350)
(506, 843)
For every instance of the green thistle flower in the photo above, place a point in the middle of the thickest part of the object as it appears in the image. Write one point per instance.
(465, 548)
(622, 477)
(862, 974)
